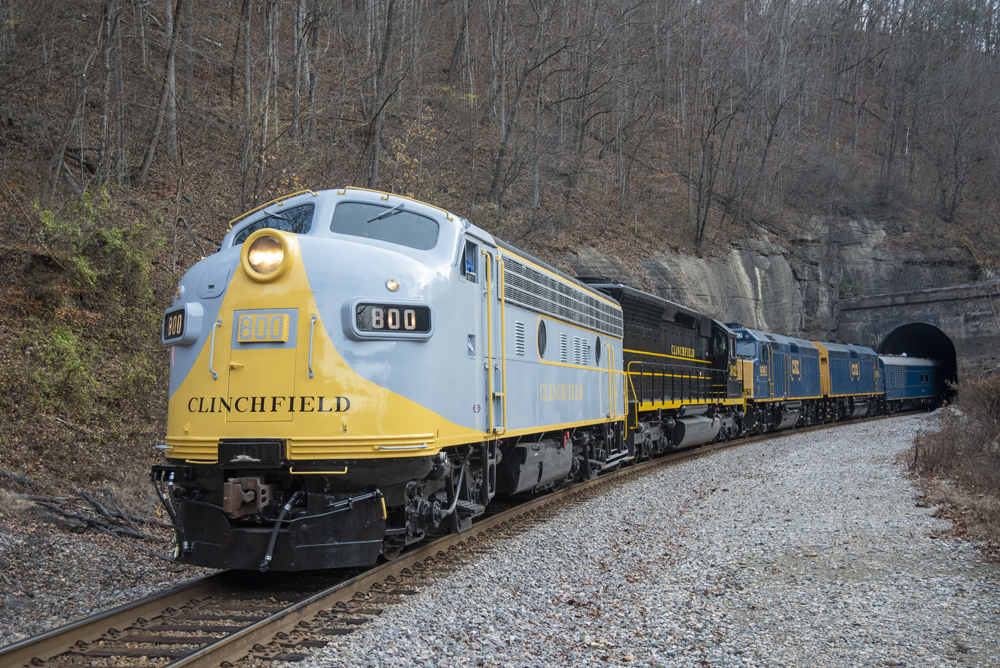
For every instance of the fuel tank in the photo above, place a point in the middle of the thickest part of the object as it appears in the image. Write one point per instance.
(695, 430)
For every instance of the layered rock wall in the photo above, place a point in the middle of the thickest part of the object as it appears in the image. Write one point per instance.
(793, 287)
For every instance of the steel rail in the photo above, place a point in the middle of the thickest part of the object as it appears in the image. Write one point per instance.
(50, 644)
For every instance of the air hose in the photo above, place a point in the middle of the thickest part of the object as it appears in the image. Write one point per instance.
(264, 565)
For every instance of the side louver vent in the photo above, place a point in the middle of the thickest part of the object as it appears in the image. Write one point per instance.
(519, 338)
(532, 289)
(563, 348)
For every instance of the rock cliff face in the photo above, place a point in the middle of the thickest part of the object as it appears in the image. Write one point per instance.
(793, 287)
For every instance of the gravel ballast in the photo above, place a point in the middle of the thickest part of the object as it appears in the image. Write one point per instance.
(50, 577)
(807, 550)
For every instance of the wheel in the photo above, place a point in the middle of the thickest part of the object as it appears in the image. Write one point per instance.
(389, 552)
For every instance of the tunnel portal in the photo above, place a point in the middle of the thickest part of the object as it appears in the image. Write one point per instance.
(918, 339)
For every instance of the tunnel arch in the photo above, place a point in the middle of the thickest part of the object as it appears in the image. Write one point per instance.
(918, 339)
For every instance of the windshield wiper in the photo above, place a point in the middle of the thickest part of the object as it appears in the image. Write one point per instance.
(387, 212)
(277, 215)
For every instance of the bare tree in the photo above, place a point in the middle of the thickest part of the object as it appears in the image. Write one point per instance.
(57, 156)
(188, 51)
(166, 96)
(170, 77)
(380, 39)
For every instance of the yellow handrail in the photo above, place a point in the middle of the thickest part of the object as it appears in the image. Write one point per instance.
(625, 378)
(489, 335)
(503, 337)
(607, 365)
(632, 385)
(625, 395)
(281, 200)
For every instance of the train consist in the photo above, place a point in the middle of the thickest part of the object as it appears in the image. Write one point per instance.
(354, 371)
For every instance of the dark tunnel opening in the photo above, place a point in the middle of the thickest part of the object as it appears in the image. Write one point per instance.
(919, 339)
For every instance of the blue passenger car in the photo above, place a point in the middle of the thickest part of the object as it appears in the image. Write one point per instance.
(910, 381)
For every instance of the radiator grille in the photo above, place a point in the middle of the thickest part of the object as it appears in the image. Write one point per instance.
(642, 312)
(526, 287)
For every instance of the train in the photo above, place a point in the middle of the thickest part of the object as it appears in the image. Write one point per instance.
(355, 371)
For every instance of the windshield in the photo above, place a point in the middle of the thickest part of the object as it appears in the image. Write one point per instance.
(297, 219)
(394, 224)
(746, 348)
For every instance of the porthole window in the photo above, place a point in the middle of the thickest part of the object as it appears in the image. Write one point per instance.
(542, 338)
(597, 350)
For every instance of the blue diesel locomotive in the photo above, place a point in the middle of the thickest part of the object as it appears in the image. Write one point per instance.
(793, 382)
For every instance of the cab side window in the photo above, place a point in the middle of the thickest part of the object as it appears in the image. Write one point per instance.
(469, 264)
(719, 344)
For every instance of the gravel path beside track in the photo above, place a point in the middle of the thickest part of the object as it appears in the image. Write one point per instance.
(803, 551)
(49, 578)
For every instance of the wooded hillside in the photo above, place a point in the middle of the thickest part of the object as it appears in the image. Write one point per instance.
(131, 131)
(880, 108)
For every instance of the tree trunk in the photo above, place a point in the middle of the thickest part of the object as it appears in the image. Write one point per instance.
(313, 73)
(161, 110)
(56, 158)
(120, 165)
(270, 30)
(170, 117)
(246, 162)
(188, 51)
(139, 13)
(298, 44)
(381, 99)
(463, 32)
(536, 199)
(103, 170)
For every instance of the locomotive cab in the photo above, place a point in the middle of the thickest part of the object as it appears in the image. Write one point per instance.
(722, 354)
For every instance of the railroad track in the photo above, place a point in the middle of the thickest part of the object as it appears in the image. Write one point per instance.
(230, 616)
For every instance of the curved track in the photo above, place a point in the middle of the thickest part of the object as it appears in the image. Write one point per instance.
(230, 616)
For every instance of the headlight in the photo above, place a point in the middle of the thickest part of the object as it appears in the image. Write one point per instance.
(268, 254)
(265, 255)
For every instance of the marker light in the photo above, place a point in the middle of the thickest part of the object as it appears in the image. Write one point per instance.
(265, 255)
(392, 284)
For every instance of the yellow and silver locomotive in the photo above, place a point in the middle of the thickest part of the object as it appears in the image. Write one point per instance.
(355, 370)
